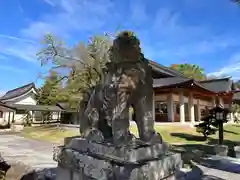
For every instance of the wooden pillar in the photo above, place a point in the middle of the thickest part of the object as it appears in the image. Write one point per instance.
(191, 108)
(181, 106)
(13, 117)
(9, 117)
(170, 107)
(153, 107)
(198, 110)
(214, 101)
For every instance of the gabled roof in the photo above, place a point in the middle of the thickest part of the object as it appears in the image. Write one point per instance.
(18, 91)
(158, 68)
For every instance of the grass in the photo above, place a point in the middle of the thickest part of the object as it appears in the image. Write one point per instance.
(182, 139)
(170, 134)
(184, 134)
(48, 133)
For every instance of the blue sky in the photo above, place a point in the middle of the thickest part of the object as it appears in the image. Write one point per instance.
(200, 32)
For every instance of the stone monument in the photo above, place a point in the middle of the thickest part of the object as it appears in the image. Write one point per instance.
(106, 150)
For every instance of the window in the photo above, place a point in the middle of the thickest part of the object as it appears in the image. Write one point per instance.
(161, 107)
(1, 114)
(20, 111)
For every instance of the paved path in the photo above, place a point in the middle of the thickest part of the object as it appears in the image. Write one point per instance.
(34, 153)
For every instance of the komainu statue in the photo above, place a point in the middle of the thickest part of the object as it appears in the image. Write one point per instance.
(127, 82)
(106, 149)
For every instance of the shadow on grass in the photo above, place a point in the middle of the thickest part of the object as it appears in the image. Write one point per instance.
(188, 137)
(231, 132)
(207, 146)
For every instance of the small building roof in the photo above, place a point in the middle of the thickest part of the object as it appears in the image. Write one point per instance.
(4, 107)
(36, 107)
(18, 91)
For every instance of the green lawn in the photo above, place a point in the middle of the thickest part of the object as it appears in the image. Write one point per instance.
(184, 140)
(171, 134)
(182, 135)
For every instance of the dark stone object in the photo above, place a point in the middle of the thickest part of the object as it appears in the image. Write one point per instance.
(44, 174)
(107, 150)
(127, 82)
(101, 161)
(4, 167)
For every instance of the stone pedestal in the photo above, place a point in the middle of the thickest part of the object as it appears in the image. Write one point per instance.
(221, 150)
(237, 151)
(83, 160)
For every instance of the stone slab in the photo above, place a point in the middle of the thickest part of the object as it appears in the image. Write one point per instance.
(92, 167)
(134, 155)
(86, 166)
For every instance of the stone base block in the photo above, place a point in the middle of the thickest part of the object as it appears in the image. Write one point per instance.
(82, 160)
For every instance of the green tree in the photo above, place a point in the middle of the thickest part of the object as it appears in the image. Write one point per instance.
(236, 1)
(79, 67)
(190, 71)
(49, 92)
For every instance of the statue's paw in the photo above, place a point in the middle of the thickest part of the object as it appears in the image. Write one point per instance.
(95, 135)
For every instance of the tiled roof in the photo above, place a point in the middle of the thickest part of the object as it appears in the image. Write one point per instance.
(216, 85)
(219, 85)
(35, 107)
(18, 91)
(4, 106)
(163, 69)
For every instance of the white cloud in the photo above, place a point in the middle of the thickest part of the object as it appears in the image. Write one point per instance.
(49, 2)
(72, 15)
(4, 36)
(231, 69)
(11, 69)
(19, 48)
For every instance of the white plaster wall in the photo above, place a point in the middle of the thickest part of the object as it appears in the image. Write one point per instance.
(4, 119)
(29, 100)
(2, 122)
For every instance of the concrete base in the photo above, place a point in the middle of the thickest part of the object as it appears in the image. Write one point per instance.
(237, 151)
(221, 150)
(107, 163)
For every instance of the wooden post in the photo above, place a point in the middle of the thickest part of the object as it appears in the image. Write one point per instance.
(9, 116)
(13, 117)
(220, 132)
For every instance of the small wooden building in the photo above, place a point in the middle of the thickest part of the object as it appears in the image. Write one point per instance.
(20, 106)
